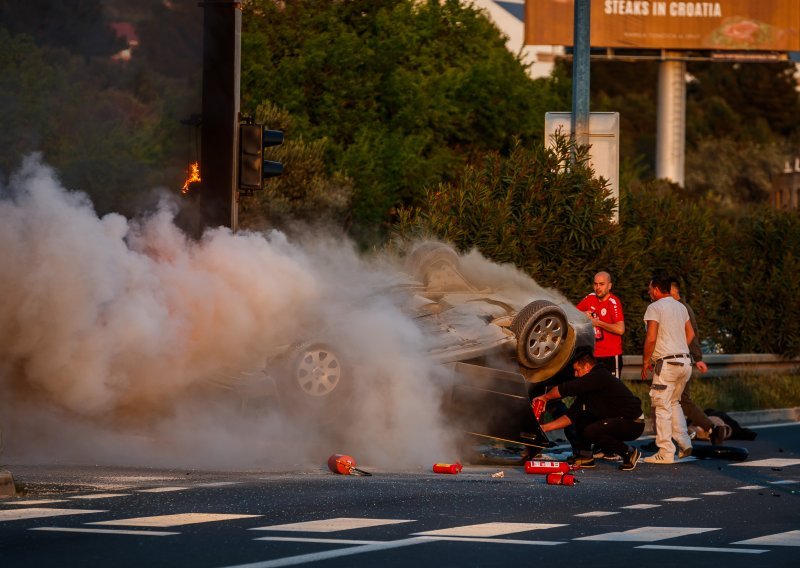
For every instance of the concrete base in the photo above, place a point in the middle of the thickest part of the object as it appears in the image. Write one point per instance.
(7, 488)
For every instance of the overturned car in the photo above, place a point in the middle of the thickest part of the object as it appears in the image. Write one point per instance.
(500, 341)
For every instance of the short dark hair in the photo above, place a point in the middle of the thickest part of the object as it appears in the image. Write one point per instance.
(675, 280)
(584, 358)
(662, 282)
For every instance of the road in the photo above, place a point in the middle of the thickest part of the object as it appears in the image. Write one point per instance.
(701, 513)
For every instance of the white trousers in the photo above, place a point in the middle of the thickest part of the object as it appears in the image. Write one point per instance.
(665, 397)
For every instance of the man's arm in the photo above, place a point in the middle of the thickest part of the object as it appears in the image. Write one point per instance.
(689, 331)
(617, 328)
(557, 424)
(649, 346)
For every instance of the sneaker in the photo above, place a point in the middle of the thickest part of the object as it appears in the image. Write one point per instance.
(581, 461)
(684, 453)
(603, 455)
(631, 459)
(651, 447)
(659, 458)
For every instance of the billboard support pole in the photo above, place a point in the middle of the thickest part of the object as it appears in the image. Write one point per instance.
(671, 122)
(579, 126)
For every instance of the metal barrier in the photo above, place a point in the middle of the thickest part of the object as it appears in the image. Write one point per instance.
(725, 365)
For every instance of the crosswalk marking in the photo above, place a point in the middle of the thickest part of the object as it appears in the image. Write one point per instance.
(597, 514)
(790, 538)
(641, 506)
(495, 540)
(40, 512)
(173, 520)
(771, 462)
(217, 484)
(703, 549)
(315, 540)
(783, 482)
(104, 531)
(100, 496)
(489, 529)
(161, 489)
(34, 502)
(333, 525)
(717, 493)
(647, 534)
(681, 499)
(751, 487)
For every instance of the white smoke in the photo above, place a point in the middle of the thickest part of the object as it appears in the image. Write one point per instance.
(112, 329)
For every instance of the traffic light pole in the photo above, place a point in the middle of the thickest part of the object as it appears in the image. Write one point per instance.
(222, 28)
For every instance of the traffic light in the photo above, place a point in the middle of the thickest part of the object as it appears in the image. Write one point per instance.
(251, 154)
(253, 168)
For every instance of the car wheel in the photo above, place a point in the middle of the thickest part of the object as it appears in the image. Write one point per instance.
(430, 257)
(541, 330)
(317, 372)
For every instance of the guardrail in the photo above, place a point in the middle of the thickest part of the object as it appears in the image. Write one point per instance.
(724, 365)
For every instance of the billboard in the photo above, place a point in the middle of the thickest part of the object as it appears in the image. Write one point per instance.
(721, 25)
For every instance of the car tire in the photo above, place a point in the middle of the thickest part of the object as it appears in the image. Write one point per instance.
(317, 379)
(429, 257)
(541, 330)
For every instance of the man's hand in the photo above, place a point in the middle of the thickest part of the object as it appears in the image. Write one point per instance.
(646, 369)
(701, 366)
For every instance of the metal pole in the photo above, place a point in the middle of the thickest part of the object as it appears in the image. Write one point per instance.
(579, 124)
(671, 126)
(222, 28)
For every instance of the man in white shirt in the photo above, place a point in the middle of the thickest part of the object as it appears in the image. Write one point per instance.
(666, 352)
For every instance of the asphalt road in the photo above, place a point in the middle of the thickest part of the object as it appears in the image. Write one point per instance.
(700, 513)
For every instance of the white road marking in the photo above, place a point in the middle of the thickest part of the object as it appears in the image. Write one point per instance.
(327, 555)
(217, 484)
(597, 514)
(173, 520)
(641, 506)
(100, 496)
(333, 525)
(161, 489)
(316, 540)
(104, 531)
(39, 512)
(752, 487)
(702, 549)
(647, 534)
(791, 538)
(771, 462)
(681, 499)
(783, 482)
(717, 493)
(495, 540)
(33, 502)
(488, 529)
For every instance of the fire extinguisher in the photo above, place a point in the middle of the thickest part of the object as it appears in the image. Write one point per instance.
(447, 467)
(538, 407)
(543, 467)
(560, 478)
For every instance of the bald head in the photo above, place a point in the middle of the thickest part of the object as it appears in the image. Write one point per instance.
(602, 284)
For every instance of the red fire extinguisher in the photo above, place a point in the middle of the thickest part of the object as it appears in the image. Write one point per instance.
(544, 467)
(538, 407)
(560, 478)
(344, 464)
(447, 467)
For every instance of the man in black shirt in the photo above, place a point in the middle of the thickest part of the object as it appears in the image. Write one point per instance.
(605, 413)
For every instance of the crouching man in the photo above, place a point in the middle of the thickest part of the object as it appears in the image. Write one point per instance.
(605, 413)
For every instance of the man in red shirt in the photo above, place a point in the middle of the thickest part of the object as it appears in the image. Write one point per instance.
(605, 311)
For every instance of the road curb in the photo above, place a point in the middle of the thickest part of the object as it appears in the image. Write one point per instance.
(7, 488)
(771, 416)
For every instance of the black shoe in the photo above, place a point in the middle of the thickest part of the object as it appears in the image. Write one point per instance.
(630, 460)
(581, 461)
(717, 436)
(651, 447)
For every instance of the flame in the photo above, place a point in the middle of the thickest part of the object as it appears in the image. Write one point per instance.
(193, 175)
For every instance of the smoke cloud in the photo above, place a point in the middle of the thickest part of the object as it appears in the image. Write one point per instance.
(114, 333)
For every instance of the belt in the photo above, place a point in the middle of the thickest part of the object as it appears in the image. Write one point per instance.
(676, 356)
